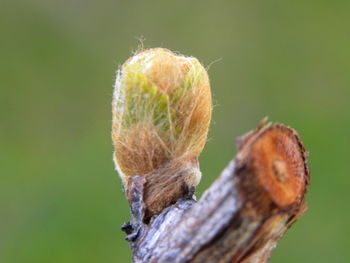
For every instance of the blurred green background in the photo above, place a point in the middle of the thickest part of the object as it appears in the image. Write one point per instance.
(60, 198)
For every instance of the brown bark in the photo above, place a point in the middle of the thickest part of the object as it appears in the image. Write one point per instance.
(240, 218)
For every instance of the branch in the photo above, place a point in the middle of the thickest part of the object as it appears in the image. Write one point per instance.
(240, 218)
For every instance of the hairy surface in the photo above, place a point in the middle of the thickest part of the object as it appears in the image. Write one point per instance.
(161, 113)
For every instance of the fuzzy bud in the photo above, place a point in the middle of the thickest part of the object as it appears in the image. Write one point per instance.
(161, 114)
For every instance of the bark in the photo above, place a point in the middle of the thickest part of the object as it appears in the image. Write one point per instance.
(240, 218)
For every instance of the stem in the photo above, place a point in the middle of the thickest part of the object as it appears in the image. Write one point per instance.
(240, 218)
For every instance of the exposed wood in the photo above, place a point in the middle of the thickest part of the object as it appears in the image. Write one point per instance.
(240, 218)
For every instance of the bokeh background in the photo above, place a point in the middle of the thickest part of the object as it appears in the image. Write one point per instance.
(60, 198)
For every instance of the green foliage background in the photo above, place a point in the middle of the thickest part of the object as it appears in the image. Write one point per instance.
(60, 198)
